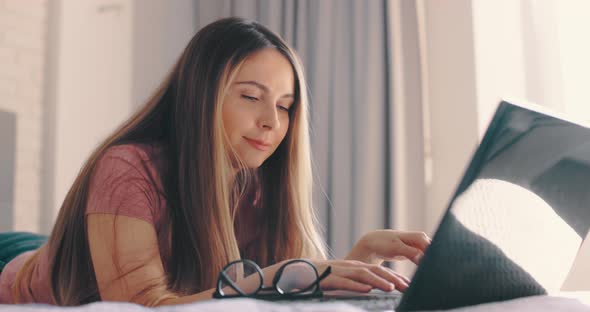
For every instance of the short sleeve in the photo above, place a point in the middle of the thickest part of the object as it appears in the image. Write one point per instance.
(123, 184)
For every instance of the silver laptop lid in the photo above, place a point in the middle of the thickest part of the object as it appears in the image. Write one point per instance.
(515, 224)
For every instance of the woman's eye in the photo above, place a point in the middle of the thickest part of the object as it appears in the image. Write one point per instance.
(283, 108)
(249, 98)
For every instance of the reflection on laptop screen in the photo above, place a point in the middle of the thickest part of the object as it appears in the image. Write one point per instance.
(515, 225)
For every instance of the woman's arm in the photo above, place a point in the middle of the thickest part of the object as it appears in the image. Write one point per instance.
(126, 259)
(247, 283)
(136, 251)
(133, 244)
(377, 246)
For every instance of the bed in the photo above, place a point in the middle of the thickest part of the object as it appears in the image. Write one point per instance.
(573, 302)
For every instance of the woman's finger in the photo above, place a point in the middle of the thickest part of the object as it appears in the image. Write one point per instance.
(388, 274)
(399, 248)
(407, 280)
(347, 263)
(416, 239)
(333, 282)
(366, 276)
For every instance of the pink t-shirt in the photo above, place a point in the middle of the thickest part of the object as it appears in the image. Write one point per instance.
(121, 186)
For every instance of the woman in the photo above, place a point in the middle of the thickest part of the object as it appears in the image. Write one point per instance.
(215, 167)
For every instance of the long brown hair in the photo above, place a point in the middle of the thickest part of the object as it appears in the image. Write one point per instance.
(184, 115)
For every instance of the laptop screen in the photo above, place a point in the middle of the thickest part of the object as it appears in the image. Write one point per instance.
(517, 220)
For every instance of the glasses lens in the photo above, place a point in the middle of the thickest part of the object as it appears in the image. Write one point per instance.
(244, 276)
(297, 277)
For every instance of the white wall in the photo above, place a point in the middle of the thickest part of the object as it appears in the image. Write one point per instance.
(161, 31)
(573, 19)
(542, 66)
(452, 96)
(475, 56)
(499, 55)
(480, 51)
(22, 61)
(93, 82)
(534, 50)
(110, 56)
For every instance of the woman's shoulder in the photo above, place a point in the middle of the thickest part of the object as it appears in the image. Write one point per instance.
(131, 161)
(143, 157)
(135, 152)
(127, 181)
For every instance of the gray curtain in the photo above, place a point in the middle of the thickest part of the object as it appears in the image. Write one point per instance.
(344, 48)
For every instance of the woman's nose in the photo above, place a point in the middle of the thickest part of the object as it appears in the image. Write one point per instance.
(269, 119)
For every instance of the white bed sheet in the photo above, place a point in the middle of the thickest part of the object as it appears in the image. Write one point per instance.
(569, 302)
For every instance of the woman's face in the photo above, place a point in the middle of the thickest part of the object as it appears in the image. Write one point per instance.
(256, 108)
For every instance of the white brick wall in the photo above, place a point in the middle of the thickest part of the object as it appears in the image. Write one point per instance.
(23, 26)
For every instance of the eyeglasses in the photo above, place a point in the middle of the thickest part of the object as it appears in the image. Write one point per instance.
(297, 278)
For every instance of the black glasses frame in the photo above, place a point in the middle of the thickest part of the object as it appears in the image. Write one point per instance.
(274, 291)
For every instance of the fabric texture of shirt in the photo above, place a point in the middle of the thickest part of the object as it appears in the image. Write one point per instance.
(121, 185)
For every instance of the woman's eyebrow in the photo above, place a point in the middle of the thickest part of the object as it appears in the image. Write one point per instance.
(262, 87)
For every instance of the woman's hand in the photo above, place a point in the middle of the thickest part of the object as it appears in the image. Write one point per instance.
(361, 270)
(377, 246)
(359, 276)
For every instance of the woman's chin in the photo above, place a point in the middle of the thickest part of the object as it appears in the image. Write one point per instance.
(253, 162)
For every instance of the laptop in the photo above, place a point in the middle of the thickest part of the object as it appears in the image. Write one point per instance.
(515, 224)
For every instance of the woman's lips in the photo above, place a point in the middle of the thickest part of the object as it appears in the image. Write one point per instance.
(259, 145)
